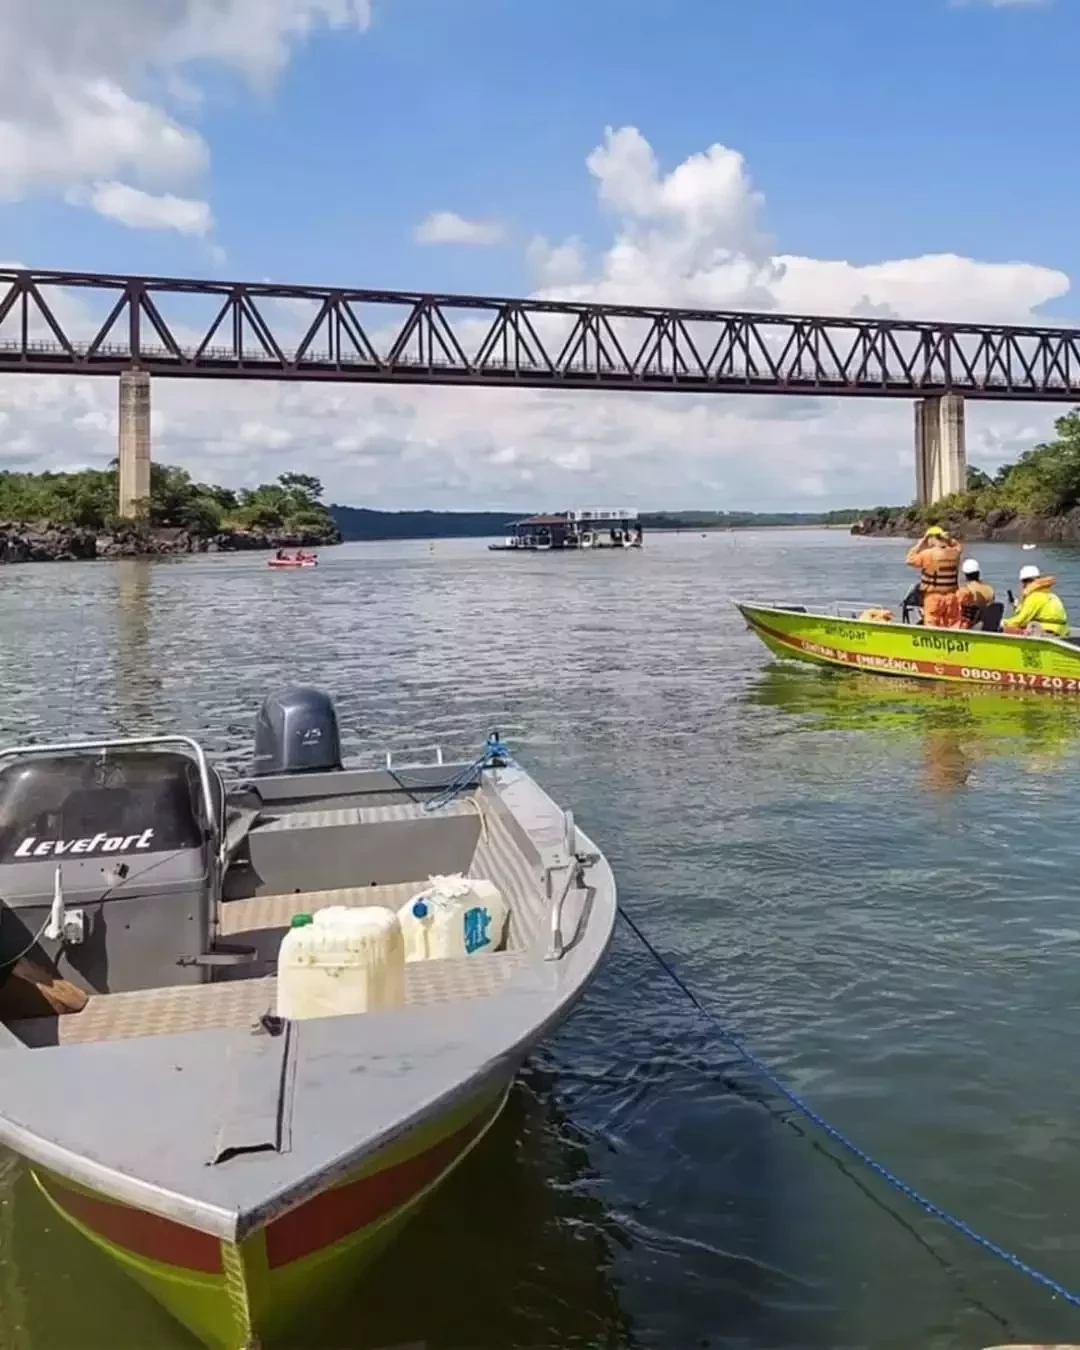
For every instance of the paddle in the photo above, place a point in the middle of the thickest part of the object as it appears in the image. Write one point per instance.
(32, 990)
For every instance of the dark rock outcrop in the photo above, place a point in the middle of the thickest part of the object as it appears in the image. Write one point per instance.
(41, 541)
(999, 525)
(45, 543)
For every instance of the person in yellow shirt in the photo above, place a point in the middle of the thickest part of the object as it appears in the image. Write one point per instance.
(1039, 610)
(974, 595)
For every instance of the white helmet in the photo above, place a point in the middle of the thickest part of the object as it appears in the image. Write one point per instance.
(970, 567)
(1029, 572)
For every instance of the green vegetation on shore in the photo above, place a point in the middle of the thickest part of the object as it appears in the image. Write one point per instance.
(1042, 488)
(88, 499)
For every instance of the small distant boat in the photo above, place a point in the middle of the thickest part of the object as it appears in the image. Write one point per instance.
(295, 560)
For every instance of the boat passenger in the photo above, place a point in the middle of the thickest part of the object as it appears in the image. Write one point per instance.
(1039, 610)
(974, 595)
(282, 555)
(937, 556)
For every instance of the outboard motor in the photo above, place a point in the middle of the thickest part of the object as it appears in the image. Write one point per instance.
(296, 731)
(107, 866)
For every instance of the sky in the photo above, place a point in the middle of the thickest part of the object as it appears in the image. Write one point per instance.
(811, 156)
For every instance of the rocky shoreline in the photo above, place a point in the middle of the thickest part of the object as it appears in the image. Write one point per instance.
(997, 526)
(22, 542)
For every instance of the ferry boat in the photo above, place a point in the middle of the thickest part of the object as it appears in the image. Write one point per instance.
(843, 639)
(591, 528)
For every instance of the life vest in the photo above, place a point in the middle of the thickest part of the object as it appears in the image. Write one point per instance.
(974, 597)
(942, 576)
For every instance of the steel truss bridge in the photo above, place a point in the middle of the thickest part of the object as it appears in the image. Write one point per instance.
(82, 323)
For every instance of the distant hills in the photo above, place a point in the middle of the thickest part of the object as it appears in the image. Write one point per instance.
(358, 522)
(742, 520)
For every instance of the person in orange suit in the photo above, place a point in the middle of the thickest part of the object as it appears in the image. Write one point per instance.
(937, 556)
(974, 595)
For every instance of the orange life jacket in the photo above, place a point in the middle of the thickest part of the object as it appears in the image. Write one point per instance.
(942, 575)
(974, 597)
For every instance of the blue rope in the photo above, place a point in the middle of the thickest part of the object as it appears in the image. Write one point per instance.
(958, 1225)
(496, 756)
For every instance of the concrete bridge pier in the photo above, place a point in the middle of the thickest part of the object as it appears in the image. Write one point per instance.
(134, 444)
(940, 448)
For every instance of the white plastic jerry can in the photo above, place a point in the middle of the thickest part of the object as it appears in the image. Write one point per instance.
(454, 916)
(341, 960)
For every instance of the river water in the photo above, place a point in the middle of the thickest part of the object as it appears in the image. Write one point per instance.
(874, 883)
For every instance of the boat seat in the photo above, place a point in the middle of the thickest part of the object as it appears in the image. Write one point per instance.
(263, 912)
(309, 847)
(992, 616)
(183, 1009)
(259, 920)
(299, 819)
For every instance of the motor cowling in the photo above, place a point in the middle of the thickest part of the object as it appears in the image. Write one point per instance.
(296, 731)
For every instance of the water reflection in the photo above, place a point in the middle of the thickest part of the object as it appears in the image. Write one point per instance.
(136, 681)
(14, 1331)
(959, 728)
(946, 766)
(57, 1291)
(531, 1265)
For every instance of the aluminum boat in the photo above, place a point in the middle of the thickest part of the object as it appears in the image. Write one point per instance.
(239, 1166)
(844, 640)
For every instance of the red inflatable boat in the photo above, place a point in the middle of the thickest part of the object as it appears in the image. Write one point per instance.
(299, 560)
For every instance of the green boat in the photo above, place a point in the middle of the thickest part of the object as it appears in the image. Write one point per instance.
(841, 639)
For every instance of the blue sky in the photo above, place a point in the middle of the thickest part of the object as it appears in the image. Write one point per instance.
(294, 139)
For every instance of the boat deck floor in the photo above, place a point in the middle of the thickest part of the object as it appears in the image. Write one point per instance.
(238, 997)
(237, 1001)
(239, 917)
(186, 1008)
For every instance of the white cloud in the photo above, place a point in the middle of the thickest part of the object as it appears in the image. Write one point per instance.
(95, 130)
(447, 227)
(82, 84)
(556, 265)
(694, 235)
(140, 210)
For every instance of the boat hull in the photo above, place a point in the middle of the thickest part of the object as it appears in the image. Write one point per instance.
(232, 1296)
(989, 660)
(281, 564)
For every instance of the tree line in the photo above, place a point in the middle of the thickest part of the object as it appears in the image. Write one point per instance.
(88, 498)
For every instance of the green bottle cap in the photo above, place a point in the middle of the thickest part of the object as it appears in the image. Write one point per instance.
(301, 920)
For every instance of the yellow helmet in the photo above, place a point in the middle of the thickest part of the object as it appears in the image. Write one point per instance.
(935, 532)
